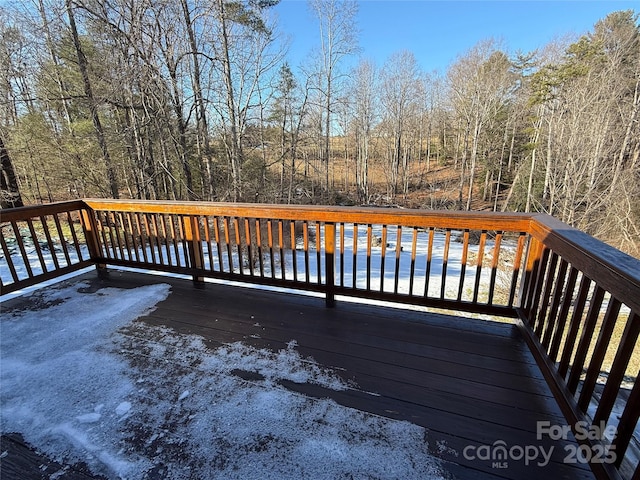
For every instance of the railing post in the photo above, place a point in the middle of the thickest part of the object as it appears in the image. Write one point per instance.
(534, 254)
(194, 246)
(90, 227)
(330, 263)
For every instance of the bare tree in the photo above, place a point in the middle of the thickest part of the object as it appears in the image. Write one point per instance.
(400, 99)
(481, 82)
(364, 92)
(338, 39)
(93, 104)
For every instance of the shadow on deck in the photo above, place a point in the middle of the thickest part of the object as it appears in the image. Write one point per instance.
(470, 383)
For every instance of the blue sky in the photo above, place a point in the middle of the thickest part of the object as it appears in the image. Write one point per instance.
(438, 31)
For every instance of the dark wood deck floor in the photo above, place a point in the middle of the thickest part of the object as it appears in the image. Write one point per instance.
(469, 382)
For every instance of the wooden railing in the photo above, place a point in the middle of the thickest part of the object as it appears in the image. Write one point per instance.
(576, 300)
(398, 255)
(42, 242)
(580, 312)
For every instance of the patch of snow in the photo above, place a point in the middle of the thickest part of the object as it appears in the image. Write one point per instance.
(72, 386)
(123, 408)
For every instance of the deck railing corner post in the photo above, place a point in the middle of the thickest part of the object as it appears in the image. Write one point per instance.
(90, 228)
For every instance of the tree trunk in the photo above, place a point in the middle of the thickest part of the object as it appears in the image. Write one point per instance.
(201, 112)
(9, 190)
(235, 150)
(93, 107)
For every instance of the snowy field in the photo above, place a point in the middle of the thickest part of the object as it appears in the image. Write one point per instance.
(80, 387)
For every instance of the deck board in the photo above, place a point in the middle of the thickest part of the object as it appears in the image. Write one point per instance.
(467, 381)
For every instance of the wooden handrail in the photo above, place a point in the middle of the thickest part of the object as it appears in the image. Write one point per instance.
(615, 271)
(58, 241)
(30, 211)
(515, 222)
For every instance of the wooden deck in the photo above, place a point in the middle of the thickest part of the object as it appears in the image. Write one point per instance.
(469, 382)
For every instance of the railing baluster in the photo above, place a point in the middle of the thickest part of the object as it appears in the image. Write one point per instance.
(627, 423)
(574, 326)
(107, 233)
(564, 314)
(165, 236)
(445, 262)
(396, 279)
(383, 256)
(216, 231)
(585, 339)
(207, 239)
(174, 238)
(341, 225)
(272, 263)
(260, 251)
(114, 222)
(63, 240)
(192, 238)
(7, 256)
(247, 234)
(156, 234)
(52, 248)
(76, 242)
(237, 226)
(600, 350)
(294, 253)
(427, 274)
(227, 241)
(369, 239)
(126, 243)
(134, 234)
(23, 251)
(495, 259)
(143, 237)
(318, 252)
(281, 248)
(536, 285)
(36, 244)
(621, 360)
(480, 261)
(556, 296)
(354, 268)
(149, 237)
(412, 271)
(549, 280)
(516, 268)
(463, 262)
(305, 233)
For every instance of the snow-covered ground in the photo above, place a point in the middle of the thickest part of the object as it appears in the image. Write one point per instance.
(80, 387)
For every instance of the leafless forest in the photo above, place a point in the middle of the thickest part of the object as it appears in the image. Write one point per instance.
(195, 100)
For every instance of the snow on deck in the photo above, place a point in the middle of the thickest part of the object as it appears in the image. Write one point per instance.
(83, 382)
